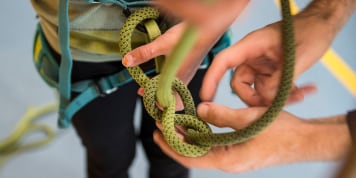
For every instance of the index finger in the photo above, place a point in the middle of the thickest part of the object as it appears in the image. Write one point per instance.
(225, 60)
(252, 46)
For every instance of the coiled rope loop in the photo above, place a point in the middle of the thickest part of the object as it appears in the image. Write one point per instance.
(168, 118)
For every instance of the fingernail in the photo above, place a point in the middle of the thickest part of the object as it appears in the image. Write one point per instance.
(128, 60)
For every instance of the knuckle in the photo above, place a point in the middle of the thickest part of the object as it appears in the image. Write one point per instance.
(146, 52)
(234, 86)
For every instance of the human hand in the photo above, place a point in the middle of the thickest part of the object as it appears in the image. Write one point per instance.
(288, 139)
(209, 32)
(257, 60)
(268, 148)
(161, 46)
(301, 140)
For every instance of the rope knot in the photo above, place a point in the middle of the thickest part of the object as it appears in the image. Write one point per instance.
(170, 119)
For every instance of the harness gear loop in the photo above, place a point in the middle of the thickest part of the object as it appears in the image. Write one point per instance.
(197, 131)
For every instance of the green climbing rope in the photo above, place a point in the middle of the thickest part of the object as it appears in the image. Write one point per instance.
(199, 135)
(12, 144)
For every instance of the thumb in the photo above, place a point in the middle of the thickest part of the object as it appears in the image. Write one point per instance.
(222, 116)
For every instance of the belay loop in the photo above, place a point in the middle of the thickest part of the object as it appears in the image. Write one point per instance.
(198, 132)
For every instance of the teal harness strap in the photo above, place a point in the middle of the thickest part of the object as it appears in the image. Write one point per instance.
(91, 89)
(65, 69)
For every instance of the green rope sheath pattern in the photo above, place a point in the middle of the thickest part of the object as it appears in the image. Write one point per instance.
(198, 133)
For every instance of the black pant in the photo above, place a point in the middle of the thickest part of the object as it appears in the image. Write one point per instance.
(106, 129)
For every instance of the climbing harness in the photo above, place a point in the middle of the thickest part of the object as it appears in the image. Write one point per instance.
(92, 89)
(27, 125)
(59, 75)
(199, 135)
(49, 70)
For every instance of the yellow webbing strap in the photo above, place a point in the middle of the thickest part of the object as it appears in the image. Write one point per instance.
(153, 32)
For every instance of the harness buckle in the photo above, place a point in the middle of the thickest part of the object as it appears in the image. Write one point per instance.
(104, 86)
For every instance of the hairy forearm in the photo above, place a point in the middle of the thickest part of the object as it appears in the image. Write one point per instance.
(328, 139)
(333, 13)
(316, 27)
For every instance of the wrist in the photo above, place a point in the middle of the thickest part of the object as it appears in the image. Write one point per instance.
(328, 139)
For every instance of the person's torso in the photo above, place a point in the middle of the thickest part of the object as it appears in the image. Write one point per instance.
(94, 28)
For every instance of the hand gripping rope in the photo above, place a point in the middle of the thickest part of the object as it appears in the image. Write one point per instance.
(159, 88)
